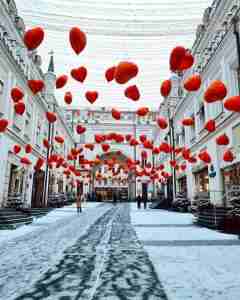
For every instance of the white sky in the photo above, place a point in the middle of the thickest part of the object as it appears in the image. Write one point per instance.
(143, 31)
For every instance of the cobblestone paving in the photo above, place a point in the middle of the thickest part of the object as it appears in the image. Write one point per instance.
(107, 263)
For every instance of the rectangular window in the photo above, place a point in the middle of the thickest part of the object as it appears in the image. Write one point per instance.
(192, 131)
(201, 116)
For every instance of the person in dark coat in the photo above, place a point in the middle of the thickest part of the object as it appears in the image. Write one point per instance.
(139, 200)
(114, 198)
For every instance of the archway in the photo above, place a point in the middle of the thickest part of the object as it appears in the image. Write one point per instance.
(111, 179)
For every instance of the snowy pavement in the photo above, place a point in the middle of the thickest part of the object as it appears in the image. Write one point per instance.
(65, 262)
(191, 262)
(28, 252)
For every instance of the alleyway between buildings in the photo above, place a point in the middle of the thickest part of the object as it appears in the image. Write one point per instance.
(118, 252)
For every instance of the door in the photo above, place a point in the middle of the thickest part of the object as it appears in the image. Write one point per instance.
(37, 190)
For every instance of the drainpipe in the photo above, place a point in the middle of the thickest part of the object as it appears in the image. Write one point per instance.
(235, 22)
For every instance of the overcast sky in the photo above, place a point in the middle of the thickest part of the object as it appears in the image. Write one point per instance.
(143, 31)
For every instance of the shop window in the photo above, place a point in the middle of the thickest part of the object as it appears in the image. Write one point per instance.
(202, 181)
(16, 180)
(182, 185)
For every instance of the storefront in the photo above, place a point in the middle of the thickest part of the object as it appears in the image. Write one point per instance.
(106, 194)
(37, 190)
(201, 180)
(182, 185)
(15, 183)
(231, 176)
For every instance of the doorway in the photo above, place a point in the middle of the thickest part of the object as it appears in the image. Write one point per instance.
(37, 190)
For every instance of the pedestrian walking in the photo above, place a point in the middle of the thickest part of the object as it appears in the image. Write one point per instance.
(139, 200)
(145, 199)
(114, 198)
(79, 203)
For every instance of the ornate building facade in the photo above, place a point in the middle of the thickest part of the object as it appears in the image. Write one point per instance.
(217, 53)
(18, 182)
(100, 121)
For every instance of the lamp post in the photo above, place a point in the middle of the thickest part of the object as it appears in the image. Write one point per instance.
(49, 153)
(135, 154)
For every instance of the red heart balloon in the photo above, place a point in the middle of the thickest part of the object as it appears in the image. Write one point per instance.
(28, 148)
(16, 149)
(188, 122)
(142, 111)
(116, 114)
(125, 71)
(59, 139)
(210, 126)
(162, 123)
(36, 86)
(176, 58)
(233, 104)
(148, 144)
(39, 164)
(19, 108)
(51, 117)
(109, 74)
(228, 156)
(91, 96)
(132, 93)
(156, 150)
(61, 81)
(3, 125)
(142, 138)
(68, 98)
(79, 74)
(99, 138)
(166, 88)
(78, 40)
(80, 129)
(223, 140)
(33, 38)
(46, 143)
(105, 147)
(25, 161)
(17, 94)
(193, 83)
(183, 167)
(187, 61)
(215, 92)
(205, 157)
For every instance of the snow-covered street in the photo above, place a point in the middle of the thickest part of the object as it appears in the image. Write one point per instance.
(118, 252)
(191, 262)
(66, 261)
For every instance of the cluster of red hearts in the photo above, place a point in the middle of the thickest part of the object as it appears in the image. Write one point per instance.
(122, 73)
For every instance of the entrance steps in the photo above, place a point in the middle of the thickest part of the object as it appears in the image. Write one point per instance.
(11, 218)
(36, 212)
(211, 218)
